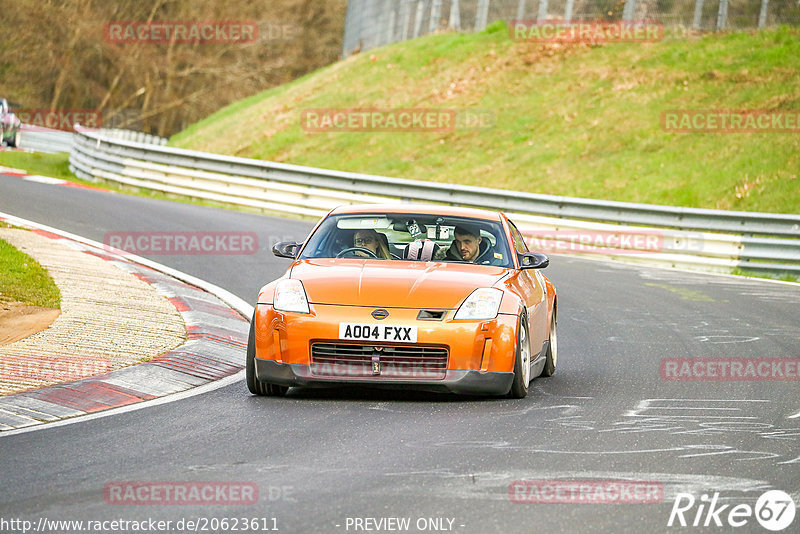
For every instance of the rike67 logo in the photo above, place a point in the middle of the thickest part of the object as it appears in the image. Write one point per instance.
(774, 510)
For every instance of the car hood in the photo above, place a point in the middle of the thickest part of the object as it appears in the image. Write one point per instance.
(380, 283)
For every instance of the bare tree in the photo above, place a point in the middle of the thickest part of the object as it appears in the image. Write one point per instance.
(61, 58)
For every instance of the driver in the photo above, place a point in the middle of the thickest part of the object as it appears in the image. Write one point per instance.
(371, 240)
(468, 245)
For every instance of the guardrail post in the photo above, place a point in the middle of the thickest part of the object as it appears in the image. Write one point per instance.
(762, 16)
(542, 13)
(455, 16)
(391, 20)
(521, 10)
(698, 15)
(722, 15)
(348, 27)
(405, 15)
(436, 14)
(481, 15)
(629, 11)
(418, 17)
(568, 11)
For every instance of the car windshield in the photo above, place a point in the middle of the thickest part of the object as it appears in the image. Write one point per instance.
(408, 237)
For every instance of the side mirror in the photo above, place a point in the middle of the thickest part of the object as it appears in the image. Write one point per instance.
(286, 249)
(533, 260)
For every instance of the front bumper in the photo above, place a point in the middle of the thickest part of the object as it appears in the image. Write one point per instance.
(466, 382)
(484, 346)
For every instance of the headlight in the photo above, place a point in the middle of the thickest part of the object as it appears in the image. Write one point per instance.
(483, 303)
(290, 296)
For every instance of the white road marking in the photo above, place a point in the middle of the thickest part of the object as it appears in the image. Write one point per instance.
(670, 405)
(726, 339)
(504, 445)
(12, 169)
(493, 486)
(43, 179)
(724, 449)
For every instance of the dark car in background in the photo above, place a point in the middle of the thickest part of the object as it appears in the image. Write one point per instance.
(9, 125)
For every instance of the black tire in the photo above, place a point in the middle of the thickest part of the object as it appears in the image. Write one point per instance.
(15, 142)
(519, 387)
(551, 358)
(255, 386)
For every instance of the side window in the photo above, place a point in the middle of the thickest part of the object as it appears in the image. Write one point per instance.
(519, 242)
(485, 234)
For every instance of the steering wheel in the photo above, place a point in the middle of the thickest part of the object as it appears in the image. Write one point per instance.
(350, 250)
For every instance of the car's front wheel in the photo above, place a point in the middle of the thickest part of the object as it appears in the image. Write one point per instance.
(522, 362)
(255, 386)
(551, 357)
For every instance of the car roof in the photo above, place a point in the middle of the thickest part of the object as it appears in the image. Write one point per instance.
(428, 209)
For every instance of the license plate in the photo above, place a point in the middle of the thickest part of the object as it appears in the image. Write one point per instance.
(373, 332)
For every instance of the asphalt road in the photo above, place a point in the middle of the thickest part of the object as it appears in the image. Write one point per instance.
(327, 460)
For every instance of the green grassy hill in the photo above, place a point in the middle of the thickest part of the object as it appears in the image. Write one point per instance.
(569, 119)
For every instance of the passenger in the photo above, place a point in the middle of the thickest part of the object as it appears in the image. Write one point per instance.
(373, 241)
(468, 245)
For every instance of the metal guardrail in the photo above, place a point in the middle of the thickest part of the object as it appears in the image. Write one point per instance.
(41, 139)
(681, 237)
(44, 139)
(131, 135)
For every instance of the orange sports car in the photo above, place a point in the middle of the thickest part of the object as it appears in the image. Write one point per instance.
(430, 297)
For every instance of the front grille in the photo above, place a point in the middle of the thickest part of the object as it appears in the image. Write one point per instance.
(350, 360)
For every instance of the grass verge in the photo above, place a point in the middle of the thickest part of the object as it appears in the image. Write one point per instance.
(52, 165)
(581, 120)
(22, 279)
(786, 277)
